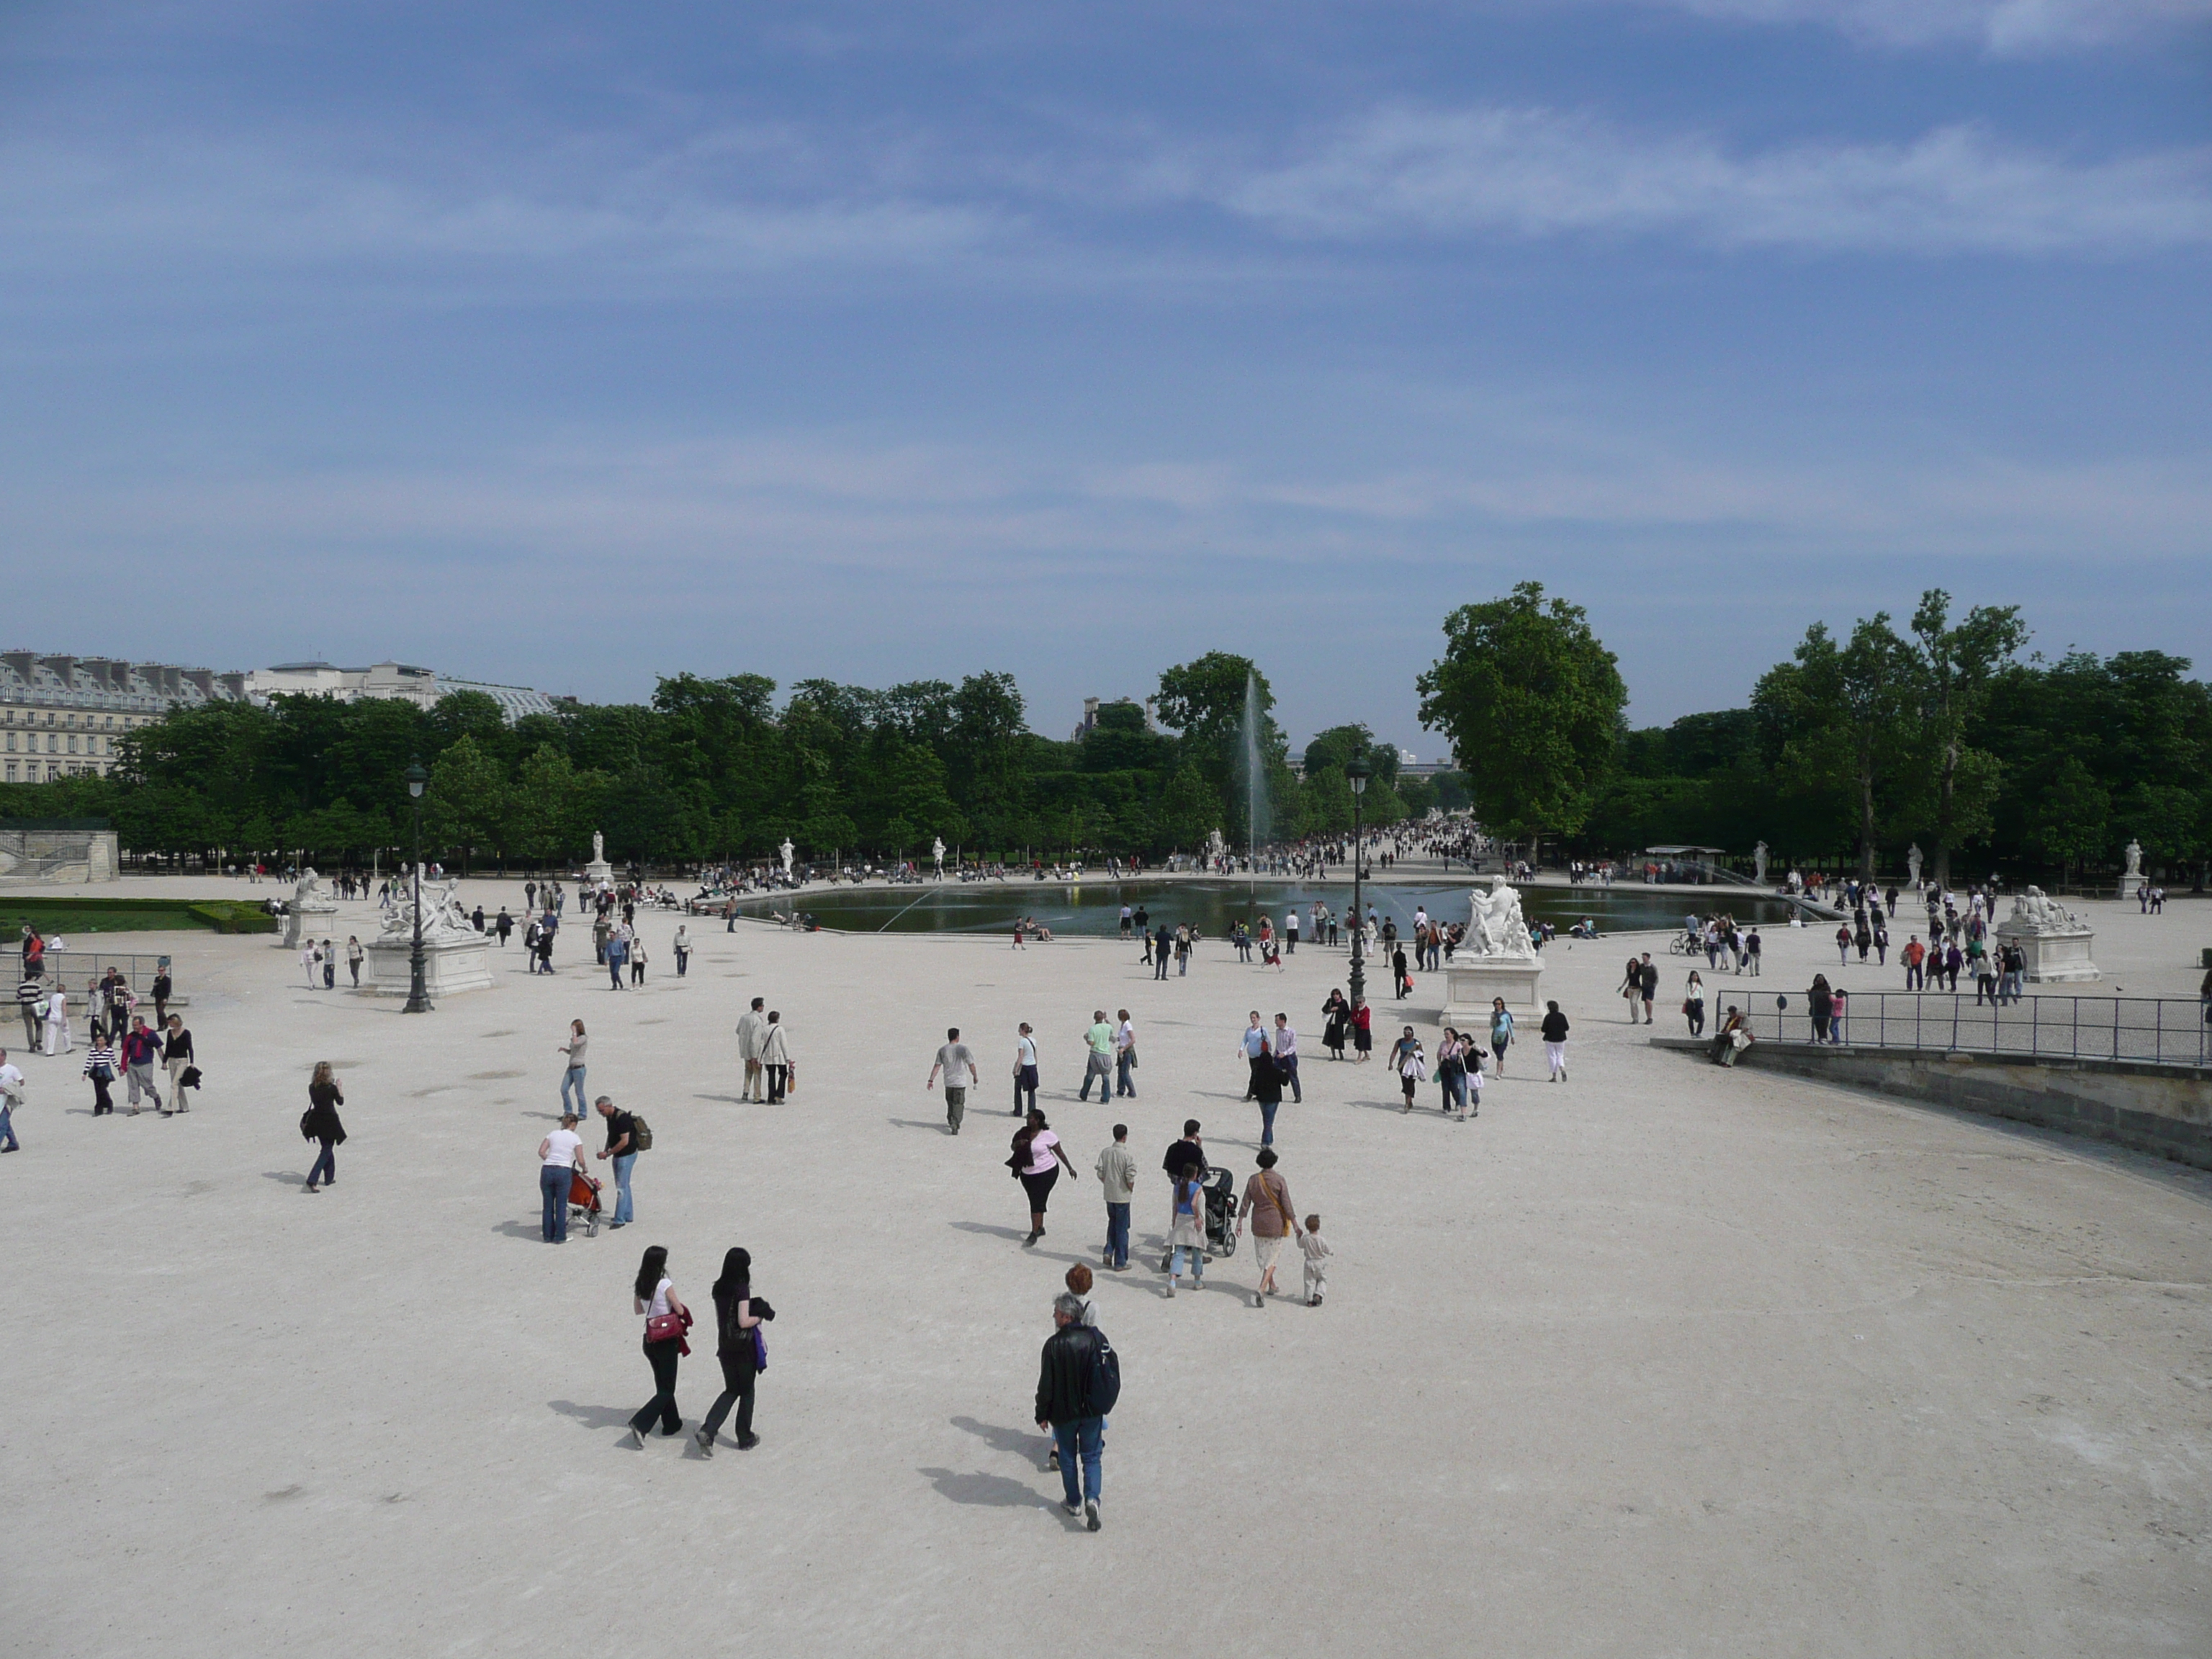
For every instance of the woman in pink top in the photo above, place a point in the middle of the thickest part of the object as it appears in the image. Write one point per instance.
(1037, 1159)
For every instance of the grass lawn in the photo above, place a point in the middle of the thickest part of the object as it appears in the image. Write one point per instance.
(130, 915)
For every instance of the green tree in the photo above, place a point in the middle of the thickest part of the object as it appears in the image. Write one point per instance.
(465, 805)
(1956, 665)
(1850, 712)
(2071, 821)
(1531, 701)
(1190, 809)
(540, 822)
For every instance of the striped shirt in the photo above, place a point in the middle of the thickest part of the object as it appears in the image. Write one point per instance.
(102, 1055)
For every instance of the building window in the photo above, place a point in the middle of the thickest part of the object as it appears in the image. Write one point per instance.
(11, 771)
(11, 743)
(52, 742)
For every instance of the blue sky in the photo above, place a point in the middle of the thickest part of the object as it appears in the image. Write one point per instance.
(571, 345)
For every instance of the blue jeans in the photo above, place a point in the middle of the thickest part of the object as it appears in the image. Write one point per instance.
(622, 1161)
(1288, 1065)
(1267, 1108)
(325, 1168)
(1122, 1086)
(553, 1189)
(615, 961)
(7, 1129)
(573, 1079)
(1197, 1259)
(1083, 1439)
(1117, 1235)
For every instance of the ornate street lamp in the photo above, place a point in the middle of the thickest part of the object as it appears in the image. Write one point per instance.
(418, 996)
(1357, 771)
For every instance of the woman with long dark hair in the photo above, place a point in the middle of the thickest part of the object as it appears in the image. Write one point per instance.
(667, 1319)
(321, 1124)
(1037, 1160)
(738, 1316)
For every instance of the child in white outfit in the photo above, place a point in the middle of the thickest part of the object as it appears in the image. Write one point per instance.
(1317, 1255)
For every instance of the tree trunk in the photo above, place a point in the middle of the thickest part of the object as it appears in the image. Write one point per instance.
(1946, 792)
(1866, 825)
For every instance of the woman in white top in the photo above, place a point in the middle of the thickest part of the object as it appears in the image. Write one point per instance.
(775, 1056)
(560, 1155)
(58, 1026)
(654, 1296)
(1025, 1069)
(572, 1078)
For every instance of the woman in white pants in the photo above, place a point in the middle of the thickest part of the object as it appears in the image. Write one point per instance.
(1555, 1041)
(58, 1026)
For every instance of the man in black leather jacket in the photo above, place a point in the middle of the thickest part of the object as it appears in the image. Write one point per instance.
(1064, 1405)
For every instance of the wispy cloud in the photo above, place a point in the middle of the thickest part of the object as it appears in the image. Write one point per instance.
(2003, 27)
(1538, 172)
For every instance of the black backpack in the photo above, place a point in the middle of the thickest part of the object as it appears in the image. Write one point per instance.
(641, 1134)
(1102, 1379)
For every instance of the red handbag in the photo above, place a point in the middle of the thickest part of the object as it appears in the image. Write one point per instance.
(663, 1327)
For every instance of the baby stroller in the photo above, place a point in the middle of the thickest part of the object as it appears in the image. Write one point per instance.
(1220, 1190)
(583, 1202)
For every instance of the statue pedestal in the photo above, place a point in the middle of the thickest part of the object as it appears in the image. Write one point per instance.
(1470, 982)
(449, 964)
(2130, 885)
(599, 874)
(305, 921)
(2054, 957)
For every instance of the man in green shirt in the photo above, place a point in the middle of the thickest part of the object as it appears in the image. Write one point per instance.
(1100, 1065)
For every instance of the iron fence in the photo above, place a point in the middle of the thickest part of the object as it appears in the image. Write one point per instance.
(2156, 1031)
(74, 969)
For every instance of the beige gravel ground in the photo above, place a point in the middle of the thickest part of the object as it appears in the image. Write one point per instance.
(1665, 1360)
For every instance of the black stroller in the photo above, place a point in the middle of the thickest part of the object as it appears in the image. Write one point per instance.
(1220, 1218)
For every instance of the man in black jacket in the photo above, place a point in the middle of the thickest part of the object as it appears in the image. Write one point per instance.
(1185, 1153)
(1064, 1404)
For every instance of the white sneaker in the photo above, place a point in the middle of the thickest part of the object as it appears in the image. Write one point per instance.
(1171, 1288)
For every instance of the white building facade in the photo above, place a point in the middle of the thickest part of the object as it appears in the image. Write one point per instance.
(62, 716)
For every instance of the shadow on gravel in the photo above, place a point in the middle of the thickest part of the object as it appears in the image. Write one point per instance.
(529, 1230)
(936, 1124)
(993, 1491)
(598, 1417)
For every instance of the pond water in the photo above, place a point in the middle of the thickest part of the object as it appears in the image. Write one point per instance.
(1094, 908)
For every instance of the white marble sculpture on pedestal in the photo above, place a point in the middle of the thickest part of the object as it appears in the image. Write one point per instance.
(937, 852)
(2054, 941)
(598, 871)
(2131, 878)
(1758, 864)
(455, 957)
(786, 849)
(1497, 958)
(309, 899)
(1912, 861)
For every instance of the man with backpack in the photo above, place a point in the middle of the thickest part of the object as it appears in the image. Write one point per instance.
(625, 1140)
(1078, 1382)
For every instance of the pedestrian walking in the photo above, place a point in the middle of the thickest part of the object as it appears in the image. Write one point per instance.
(1286, 1055)
(667, 1319)
(355, 953)
(1117, 1174)
(958, 1064)
(572, 1076)
(682, 948)
(141, 1048)
(1125, 1058)
(1187, 1222)
(1501, 1031)
(622, 1147)
(1267, 1207)
(330, 964)
(560, 1157)
(58, 1038)
(636, 953)
(1251, 1045)
(1554, 1032)
(1098, 1057)
(741, 1347)
(1163, 948)
(1647, 984)
(1026, 1070)
(30, 1002)
(177, 1059)
(1078, 1382)
(1410, 1064)
(100, 1067)
(1336, 1023)
(1266, 1088)
(1316, 1252)
(617, 953)
(1451, 1071)
(11, 1096)
(776, 1058)
(750, 1024)
(320, 1124)
(1362, 1029)
(1037, 1160)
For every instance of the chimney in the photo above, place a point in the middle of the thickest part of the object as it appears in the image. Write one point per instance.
(200, 678)
(233, 683)
(65, 666)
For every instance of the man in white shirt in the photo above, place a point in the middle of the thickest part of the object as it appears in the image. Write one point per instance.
(11, 1096)
(1125, 1058)
(751, 1026)
(958, 1065)
(1290, 934)
(560, 1155)
(1286, 1056)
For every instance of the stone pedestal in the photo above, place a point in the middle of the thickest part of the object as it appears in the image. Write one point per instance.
(2130, 885)
(304, 923)
(1470, 982)
(599, 874)
(449, 964)
(2054, 956)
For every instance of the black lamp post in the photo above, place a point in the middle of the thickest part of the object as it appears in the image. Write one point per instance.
(418, 996)
(1357, 771)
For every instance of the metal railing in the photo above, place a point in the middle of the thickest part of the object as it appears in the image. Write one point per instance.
(74, 969)
(2155, 1031)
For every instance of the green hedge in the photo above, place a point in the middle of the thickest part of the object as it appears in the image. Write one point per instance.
(125, 915)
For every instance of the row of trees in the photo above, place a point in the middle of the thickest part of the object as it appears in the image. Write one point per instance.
(716, 769)
(1939, 733)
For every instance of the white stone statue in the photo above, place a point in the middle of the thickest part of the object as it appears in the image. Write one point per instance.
(1758, 864)
(1912, 859)
(785, 849)
(937, 852)
(599, 848)
(2035, 912)
(2135, 860)
(307, 892)
(442, 916)
(1495, 926)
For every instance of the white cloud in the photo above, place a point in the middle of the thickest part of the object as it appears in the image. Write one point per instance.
(1536, 172)
(2004, 27)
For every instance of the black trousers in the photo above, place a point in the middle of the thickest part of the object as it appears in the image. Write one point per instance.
(738, 1378)
(776, 1075)
(663, 1356)
(101, 1100)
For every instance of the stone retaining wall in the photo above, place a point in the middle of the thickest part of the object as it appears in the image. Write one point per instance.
(2167, 1110)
